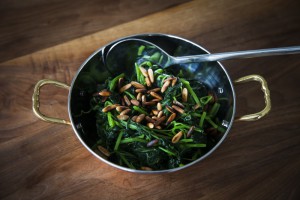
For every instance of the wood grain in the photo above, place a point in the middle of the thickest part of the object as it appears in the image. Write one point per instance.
(258, 160)
(28, 26)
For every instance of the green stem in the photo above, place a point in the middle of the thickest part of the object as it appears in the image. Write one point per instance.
(126, 161)
(191, 91)
(170, 153)
(211, 122)
(129, 94)
(155, 57)
(129, 140)
(113, 83)
(214, 110)
(140, 50)
(195, 145)
(196, 114)
(111, 122)
(147, 63)
(140, 110)
(139, 76)
(202, 119)
(221, 129)
(107, 103)
(160, 59)
(118, 141)
(186, 140)
(159, 71)
(205, 100)
(179, 126)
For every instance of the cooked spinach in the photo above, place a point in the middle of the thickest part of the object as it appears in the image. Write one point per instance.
(154, 120)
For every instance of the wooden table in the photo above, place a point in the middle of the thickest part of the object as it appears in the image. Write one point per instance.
(47, 39)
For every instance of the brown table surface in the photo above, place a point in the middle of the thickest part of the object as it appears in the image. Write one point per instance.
(50, 39)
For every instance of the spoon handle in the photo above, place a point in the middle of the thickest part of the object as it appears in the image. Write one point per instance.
(238, 54)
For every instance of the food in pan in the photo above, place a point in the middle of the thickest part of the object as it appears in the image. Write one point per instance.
(154, 119)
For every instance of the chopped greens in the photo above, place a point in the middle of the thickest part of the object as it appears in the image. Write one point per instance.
(155, 119)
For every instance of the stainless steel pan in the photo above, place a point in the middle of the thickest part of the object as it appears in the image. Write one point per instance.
(93, 71)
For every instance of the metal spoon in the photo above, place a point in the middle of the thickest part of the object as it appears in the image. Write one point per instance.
(129, 47)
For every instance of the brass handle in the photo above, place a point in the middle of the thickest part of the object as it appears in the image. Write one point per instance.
(36, 101)
(266, 91)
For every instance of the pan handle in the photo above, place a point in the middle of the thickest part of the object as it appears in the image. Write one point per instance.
(36, 101)
(266, 91)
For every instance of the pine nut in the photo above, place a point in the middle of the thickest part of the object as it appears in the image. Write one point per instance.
(135, 102)
(148, 82)
(155, 95)
(156, 100)
(108, 108)
(121, 108)
(149, 119)
(143, 98)
(160, 113)
(171, 118)
(151, 75)
(155, 112)
(165, 86)
(158, 127)
(144, 71)
(120, 83)
(178, 109)
(123, 117)
(174, 81)
(139, 96)
(125, 87)
(140, 118)
(154, 90)
(168, 79)
(134, 118)
(126, 100)
(170, 109)
(160, 120)
(189, 133)
(154, 118)
(159, 106)
(150, 125)
(177, 137)
(184, 95)
(146, 168)
(105, 93)
(124, 112)
(122, 102)
(152, 143)
(140, 90)
(103, 150)
(149, 103)
(137, 85)
(177, 103)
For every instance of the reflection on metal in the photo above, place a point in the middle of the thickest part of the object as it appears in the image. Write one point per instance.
(266, 91)
(220, 90)
(78, 126)
(36, 101)
(225, 123)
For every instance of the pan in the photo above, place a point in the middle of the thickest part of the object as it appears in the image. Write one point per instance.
(94, 71)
